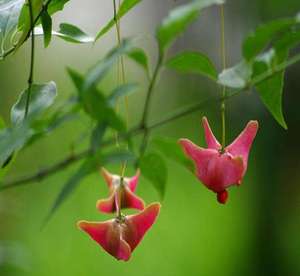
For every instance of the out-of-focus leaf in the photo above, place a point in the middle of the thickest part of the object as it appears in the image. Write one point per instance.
(271, 90)
(256, 42)
(140, 57)
(95, 104)
(125, 7)
(178, 20)
(193, 62)
(170, 148)
(72, 33)
(47, 27)
(97, 136)
(121, 91)
(2, 123)
(9, 15)
(153, 167)
(13, 139)
(97, 73)
(41, 97)
(236, 77)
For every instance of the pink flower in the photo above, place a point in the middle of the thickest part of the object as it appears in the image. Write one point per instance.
(120, 236)
(121, 190)
(219, 168)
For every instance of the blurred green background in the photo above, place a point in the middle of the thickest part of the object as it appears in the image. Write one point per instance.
(256, 233)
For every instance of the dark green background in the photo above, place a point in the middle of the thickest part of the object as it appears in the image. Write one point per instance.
(256, 233)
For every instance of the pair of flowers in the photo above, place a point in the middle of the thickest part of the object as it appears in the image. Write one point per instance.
(217, 168)
(121, 235)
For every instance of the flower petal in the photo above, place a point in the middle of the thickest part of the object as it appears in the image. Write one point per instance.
(108, 177)
(107, 205)
(242, 144)
(139, 224)
(133, 181)
(211, 141)
(108, 235)
(130, 200)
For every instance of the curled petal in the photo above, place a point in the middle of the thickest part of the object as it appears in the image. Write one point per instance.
(211, 141)
(133, 181)
(242, 144)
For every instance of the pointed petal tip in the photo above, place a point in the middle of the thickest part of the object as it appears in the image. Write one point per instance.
(107, 176)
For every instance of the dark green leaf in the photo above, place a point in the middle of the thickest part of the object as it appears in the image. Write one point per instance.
(193, 62)
(97, 136)
(121, 91)
(259, 40)
(97, 73)
(178, 20)
(125, 7)
(170, 148)
(236, 77)
(73, 34)
(56, 5)
(271, 90)
(41, 97)
(47, 27)
(153, 168)
(140, 57)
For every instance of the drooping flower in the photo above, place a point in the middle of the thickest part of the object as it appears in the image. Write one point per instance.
(219, 168)
(120, 236)
(121, 188)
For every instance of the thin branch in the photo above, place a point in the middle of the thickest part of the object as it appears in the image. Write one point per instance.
(141, 129)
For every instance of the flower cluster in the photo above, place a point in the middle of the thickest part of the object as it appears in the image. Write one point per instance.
(219, 168)
(120, 235)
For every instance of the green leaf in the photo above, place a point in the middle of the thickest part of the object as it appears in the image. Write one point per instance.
(56, 5)
(2, 123)
(153, 168)
(193, 62)
(237, 77)
(97, 136)
(259, 40)
(73, 34)
(47, 27)
(139, 56)
(170, 148)
(13, 139)
(125, 7)
(121, 91)
(97, 73)
(271, 90)
(9, 15)
(178, 20)
(95, 104)
(41, 97)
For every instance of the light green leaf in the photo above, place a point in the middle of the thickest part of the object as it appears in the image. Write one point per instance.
(47, 27)
(13, 139)
(154, 168)
(121, 91)
(171, 149)
(9, 15)
(236, 77)
(139, 56)
(193, 62)
(125, 7)
(178, 20)
(41, 97)
(259, 40)
(271, 90)
(56, 5)
(97, 73)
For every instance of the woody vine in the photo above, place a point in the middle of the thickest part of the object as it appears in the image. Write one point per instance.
(265, 59)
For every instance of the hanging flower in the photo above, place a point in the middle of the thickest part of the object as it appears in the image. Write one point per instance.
(219, 168)
(123, 189)
(120, 236)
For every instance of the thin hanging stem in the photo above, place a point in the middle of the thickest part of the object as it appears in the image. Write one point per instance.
(224, 65)
(31, 71)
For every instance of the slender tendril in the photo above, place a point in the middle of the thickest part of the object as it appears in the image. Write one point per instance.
(223, 55)
(31, 72)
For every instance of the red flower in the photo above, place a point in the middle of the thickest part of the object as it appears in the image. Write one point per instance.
(120, 236)
(219, 168)
(123, 189)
